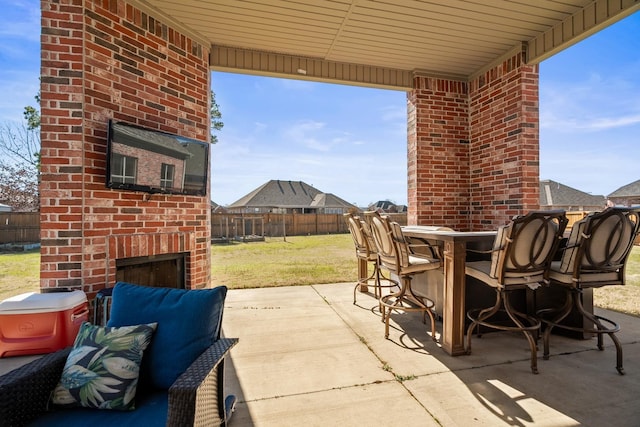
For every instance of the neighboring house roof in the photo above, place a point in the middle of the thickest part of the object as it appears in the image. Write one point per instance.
(382, 204)
(5, 208)
(387, 206)
(629, 190)
(553, 193)
(288, 194)
(216, 208)
(328, 200)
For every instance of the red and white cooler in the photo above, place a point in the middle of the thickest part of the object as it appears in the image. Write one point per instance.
(35, 323)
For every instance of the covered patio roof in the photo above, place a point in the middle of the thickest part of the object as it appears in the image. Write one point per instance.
(384, 43)
(469, 69)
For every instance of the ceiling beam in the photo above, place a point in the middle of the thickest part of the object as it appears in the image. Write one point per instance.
(273, 64)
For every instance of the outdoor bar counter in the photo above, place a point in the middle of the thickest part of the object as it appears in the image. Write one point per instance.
(455, 245)
(459, 292)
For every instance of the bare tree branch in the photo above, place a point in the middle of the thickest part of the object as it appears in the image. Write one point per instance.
(19, 187)
(20, 162)
(20, 143)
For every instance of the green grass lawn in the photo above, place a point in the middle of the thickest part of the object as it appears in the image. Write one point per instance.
(623, 298)
(300, 260)
(19, 273)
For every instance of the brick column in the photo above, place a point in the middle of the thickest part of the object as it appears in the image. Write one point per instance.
(504, 149)
(61, 155)
(438, 153)
(100, 60)
(473, 148)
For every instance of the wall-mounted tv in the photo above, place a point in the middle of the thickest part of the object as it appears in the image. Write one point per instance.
(140, 159)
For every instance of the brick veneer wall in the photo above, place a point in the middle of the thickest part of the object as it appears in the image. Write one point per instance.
(504, 148)
(438, 153)
(473, 148)
(100, 60)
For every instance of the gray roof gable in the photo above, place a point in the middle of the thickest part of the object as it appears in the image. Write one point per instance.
(328, 200)
(553, 193)
(629, 190)
(288, 194)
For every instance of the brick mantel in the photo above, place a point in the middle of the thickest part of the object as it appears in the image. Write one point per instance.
(146, 245)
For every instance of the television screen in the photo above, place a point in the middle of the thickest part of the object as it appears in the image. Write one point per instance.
(140, 159)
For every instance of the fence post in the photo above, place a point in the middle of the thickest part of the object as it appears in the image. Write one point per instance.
(284, 227)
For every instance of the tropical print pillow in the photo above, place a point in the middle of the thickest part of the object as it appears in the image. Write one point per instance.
(103, 367)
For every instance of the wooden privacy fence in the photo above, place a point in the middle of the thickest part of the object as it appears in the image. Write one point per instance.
(230, 226)
(19, 227)
(24, 227)
(575, 216)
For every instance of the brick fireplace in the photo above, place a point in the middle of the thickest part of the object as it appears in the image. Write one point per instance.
(104, 60)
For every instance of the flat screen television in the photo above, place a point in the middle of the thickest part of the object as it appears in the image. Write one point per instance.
(152, 161)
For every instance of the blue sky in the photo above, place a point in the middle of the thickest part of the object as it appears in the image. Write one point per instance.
(351, 141)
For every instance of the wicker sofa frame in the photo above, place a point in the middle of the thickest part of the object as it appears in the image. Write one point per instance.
(195, 398)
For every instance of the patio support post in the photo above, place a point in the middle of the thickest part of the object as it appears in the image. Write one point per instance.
(504, 143)
(438, 153)
(473, 147)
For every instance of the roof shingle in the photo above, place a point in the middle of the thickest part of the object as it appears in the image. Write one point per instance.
(288, 194)
(553, 193)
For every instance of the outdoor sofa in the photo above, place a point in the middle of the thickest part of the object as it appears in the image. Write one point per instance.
(187, 336)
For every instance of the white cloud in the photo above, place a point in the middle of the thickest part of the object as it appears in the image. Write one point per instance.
(549, 120)
(308, 133)
(393, 113)
(260, 127)
(610, 123)
(576, 110)
(306, 126)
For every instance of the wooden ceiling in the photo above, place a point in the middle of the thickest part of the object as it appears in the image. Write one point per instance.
(383, 42)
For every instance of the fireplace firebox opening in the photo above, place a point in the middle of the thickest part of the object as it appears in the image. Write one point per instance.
(166, 270)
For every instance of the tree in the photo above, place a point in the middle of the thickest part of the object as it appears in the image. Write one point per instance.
(19, 187)
(216, 116)
(32, 115)
(20, 143)
(20, 161)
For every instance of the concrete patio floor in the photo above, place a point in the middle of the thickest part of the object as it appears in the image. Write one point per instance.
(308, 357)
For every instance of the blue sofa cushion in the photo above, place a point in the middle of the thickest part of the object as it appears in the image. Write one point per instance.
(151, 410)
(103, 367)
(188, 323)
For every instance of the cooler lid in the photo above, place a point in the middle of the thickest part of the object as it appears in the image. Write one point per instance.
(34, 302)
